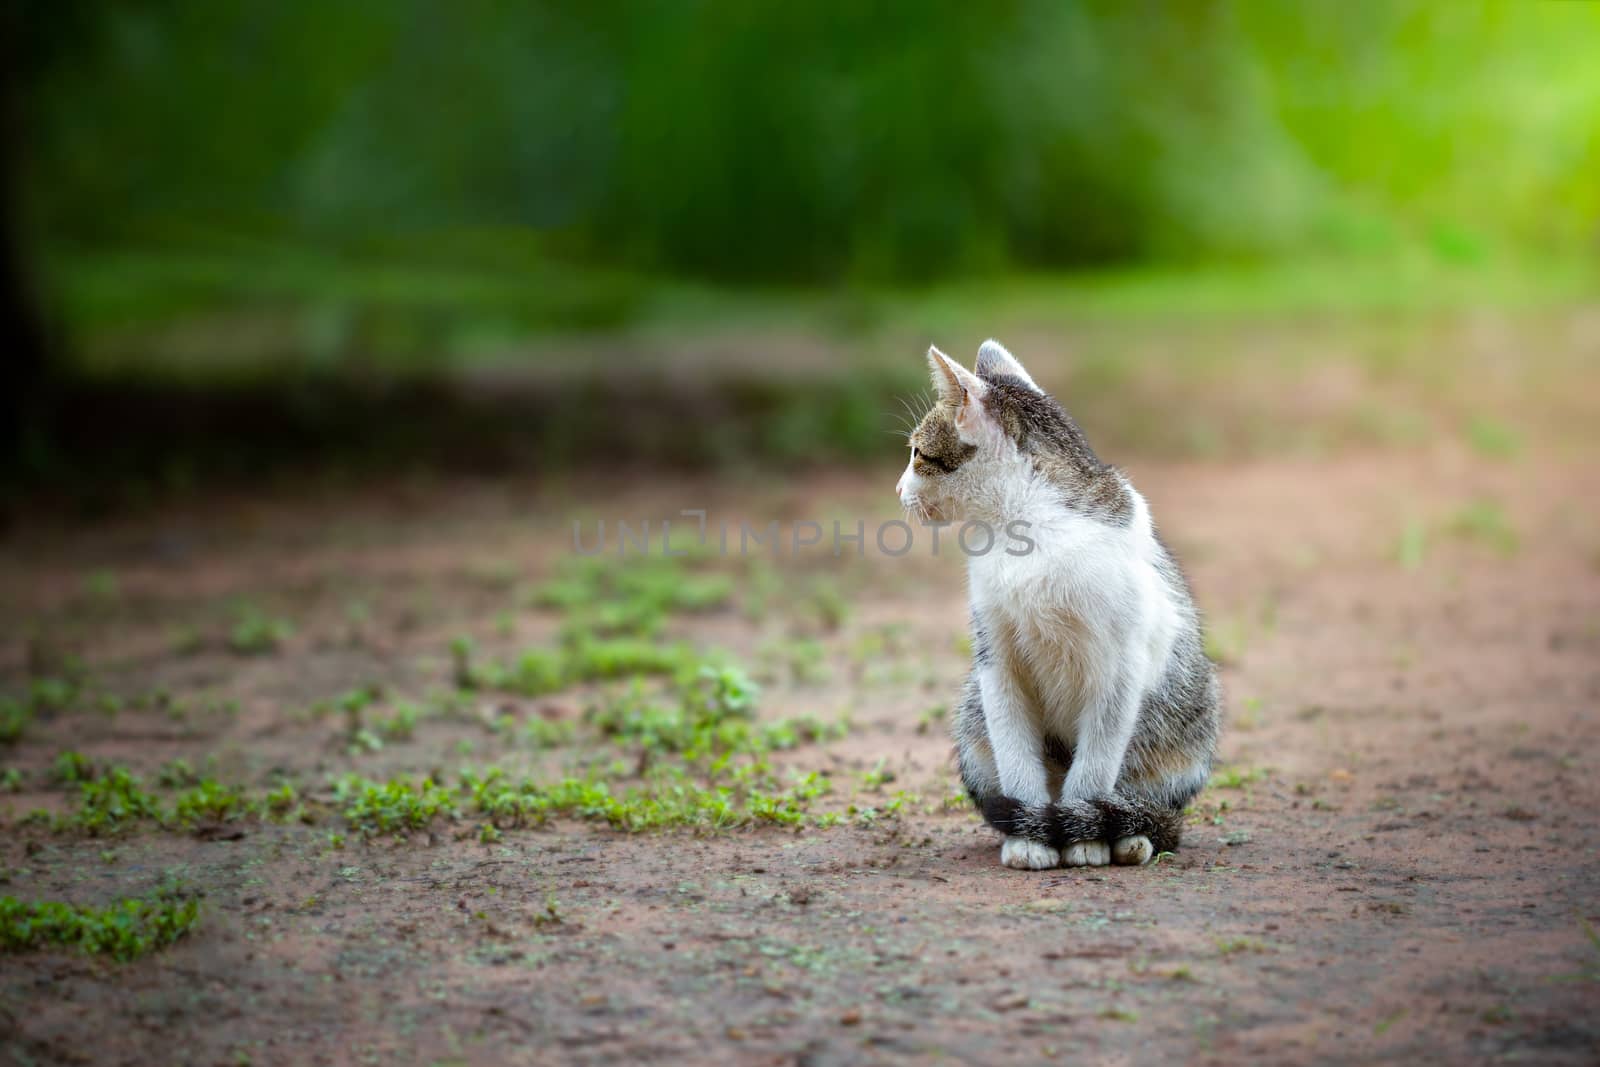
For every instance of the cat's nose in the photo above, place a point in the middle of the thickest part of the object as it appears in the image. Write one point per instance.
(900, 487)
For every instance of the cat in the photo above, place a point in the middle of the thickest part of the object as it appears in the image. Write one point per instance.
(1090, 716)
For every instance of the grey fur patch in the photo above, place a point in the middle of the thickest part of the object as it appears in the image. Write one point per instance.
(938, 444)
(1056, 446)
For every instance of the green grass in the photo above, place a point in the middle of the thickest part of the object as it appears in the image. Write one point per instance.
(670, 799)
(1232, 946)
(686, 747)
(1412, 547)
(256, 633)
(71, 768)
(1484, 522)
(48, 694)
(392, 806)
(114, 801)
(210, 800)
(1237, 777)
(124, 931)
(1492, 439)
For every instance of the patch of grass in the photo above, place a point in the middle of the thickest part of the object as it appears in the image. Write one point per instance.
(712, 713)
(1387, 1021)
(210, 801)
(1591, 972)
(935, 714)
(1225, 640)
(1249, 716)
(644, 588)
(1412, 546)
(671, 799)
(47, 695)
(15, 717)
(623, 657)
(463, 651)
(548, 733)
(804, 659)
(102, 587)
(10, 780)
(186, 639)
(256, 633)
(539, 671)
(112, 802)
(392, 806)
(1493, 440)
(876, 778)
(1485, 522)
(72, 768)
(1232, 946)
(124, 931)
(1237, 777)
(825, 599)
(801, 729)
(176, 774)
(401, 724)
(281, 803)
(535, 672)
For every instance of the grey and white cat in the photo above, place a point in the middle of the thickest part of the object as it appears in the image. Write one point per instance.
(1090, 715)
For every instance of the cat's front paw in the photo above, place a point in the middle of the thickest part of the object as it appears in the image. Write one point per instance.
(1027, 855)
(1087, 854)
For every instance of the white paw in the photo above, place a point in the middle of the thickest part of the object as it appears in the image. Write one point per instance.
(1132, 851)
(1027, 855)
(1087, 854)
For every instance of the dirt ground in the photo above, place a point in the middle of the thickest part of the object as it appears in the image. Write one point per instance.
(1398, 859)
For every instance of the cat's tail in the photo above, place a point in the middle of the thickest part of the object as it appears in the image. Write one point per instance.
(1107, 817)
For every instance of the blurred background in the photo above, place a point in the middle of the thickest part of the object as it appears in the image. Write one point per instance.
(240, 237)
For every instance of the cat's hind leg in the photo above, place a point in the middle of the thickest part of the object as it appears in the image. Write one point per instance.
(1133, 851)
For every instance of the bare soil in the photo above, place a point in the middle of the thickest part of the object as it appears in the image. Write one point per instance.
(1399, 860)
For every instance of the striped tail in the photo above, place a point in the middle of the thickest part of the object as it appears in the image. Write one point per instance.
(1108, 817)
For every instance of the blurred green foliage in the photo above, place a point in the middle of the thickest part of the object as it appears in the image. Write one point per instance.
(828, 141)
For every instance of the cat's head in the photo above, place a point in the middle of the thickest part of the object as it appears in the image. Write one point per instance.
(987, 428)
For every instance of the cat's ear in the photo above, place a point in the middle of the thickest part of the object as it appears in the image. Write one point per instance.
(961, 389)
(956, 385)
(995, 361)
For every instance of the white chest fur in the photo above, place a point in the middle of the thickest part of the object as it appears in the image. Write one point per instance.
(1083, 619)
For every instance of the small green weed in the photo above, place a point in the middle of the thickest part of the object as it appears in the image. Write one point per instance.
(124, 931)
(393, 806)
(1485, 522)
(401, 724)
(71, 768)
(15, 717)
(210, 801)
(547, 733)
(112, 802)
(176, 774)
(1237, 777)
(1493, 440)
(255, 633)
(1225, 640)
